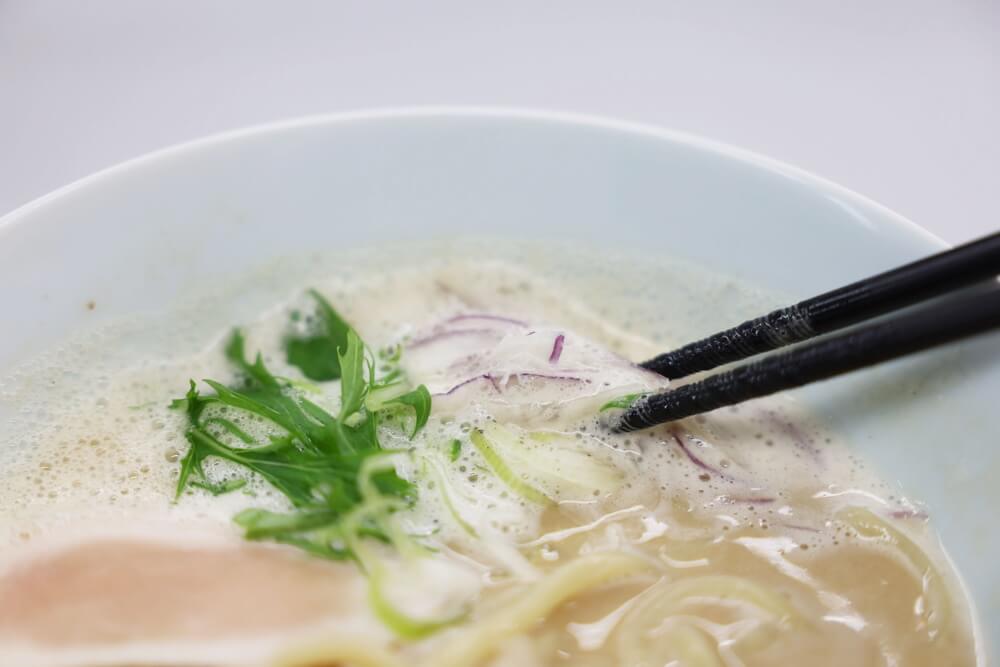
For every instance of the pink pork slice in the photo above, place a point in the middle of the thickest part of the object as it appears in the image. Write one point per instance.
(113, 591)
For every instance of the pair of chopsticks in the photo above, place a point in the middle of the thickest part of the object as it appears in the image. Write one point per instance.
(951, 317)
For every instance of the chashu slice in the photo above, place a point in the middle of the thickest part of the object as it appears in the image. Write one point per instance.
(136, 602)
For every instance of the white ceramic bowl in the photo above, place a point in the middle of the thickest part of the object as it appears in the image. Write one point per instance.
(133, 237)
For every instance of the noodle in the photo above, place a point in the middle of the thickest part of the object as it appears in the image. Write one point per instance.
(682, 640)
(688, 644)
(479, 640)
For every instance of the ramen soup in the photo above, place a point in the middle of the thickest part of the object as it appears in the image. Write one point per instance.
(415, 467)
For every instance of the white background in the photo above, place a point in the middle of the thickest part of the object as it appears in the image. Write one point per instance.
(897, 99)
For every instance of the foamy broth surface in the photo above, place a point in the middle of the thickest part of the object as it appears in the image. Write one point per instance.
(749, 536)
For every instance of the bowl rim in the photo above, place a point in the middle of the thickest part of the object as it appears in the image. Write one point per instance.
(524, 114)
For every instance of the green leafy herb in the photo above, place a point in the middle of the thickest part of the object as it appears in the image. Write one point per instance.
(315, 352)
(622, 402)
(420, 400)
(341, 483)
(353, 386)
(456, 450)
(219, 488)
(379, 395)
(265, 425)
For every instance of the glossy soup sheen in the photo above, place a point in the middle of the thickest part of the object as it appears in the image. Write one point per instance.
(748, 536)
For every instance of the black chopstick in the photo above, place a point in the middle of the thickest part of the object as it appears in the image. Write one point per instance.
(956, 317)
(878, 295)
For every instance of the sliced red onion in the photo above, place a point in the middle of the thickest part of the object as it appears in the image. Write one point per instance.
(799, 439)
(441, 335)
(557, 348)
(486, 316)
(484, 376)
(909, 514)
(496, 383)
(546, 376)
(694, 459)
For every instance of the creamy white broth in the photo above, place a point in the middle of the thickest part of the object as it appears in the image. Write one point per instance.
(750, 509)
